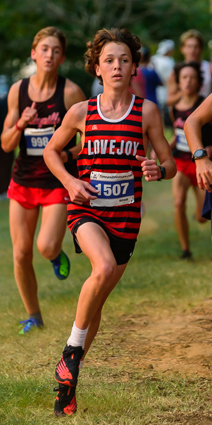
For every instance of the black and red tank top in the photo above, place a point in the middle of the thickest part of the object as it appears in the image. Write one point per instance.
(30, 169)
(182, 149)
(108, 161)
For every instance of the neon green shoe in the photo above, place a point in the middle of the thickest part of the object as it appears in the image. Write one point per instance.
(61, 266)
(28, 324)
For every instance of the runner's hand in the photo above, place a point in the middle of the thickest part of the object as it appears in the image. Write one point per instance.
(81, 191)
(28, 114)
(204, 173)
(149, 167)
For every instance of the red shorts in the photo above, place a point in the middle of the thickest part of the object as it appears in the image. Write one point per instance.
(188, 168)
(30, 197)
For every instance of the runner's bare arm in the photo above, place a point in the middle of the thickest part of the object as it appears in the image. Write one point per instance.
(173, 140)
(153, 130)
(74, 152)
(192, 128)
(13, 123)
(73, 121)
(173, 92)
(72, 94)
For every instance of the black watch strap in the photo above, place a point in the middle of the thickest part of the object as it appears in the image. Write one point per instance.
(69, 155)
(163, 173)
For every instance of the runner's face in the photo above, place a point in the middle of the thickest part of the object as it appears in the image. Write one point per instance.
(191, 50)
(188, 81)
(115, 65)
(48, 54)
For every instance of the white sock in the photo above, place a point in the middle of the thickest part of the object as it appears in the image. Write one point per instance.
(77, 337)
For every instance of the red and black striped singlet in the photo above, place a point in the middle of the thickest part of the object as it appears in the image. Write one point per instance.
(110, 147)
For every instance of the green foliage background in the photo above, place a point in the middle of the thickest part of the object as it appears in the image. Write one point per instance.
(151, 20)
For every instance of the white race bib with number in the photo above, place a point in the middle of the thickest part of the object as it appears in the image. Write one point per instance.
(37, 139)
(114, 188)
(181, 143)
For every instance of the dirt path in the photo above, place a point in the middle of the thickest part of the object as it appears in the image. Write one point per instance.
(167, 343)
(177, 343)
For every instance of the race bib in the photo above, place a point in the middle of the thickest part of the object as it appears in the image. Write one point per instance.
(181, 144)
(114, 188)
(37, 139)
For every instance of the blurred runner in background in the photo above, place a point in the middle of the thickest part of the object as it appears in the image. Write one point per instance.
(6, 159)
(163, 63)
(36, 107)
(191, 46)
(189, 79)
(149, 77)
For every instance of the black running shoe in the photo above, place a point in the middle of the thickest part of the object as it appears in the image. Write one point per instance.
(186, 254)
(67, 369)
(65, 403)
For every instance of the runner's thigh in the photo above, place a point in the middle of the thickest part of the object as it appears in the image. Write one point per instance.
(53, 223)
(95, 243)
(23, 223)
(180, 186)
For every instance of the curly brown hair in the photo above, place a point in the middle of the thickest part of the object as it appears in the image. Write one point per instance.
(105, 36)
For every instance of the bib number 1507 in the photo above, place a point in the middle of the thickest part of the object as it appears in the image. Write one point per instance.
(113, 189)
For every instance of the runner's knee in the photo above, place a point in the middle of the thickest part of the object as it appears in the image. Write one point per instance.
(48, 249)
(104, 273)
(179, 204)
(22, 256)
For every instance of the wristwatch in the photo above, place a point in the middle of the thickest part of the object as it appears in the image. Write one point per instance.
(198, 154)
(163, 173)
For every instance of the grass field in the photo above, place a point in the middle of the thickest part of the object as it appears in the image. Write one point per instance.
(151, 362)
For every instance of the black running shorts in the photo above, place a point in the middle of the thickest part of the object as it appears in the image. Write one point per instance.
(122, 249)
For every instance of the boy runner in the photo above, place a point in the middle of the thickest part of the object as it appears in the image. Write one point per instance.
(104, 212)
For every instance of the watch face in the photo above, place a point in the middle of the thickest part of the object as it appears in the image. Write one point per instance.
(199, 153)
